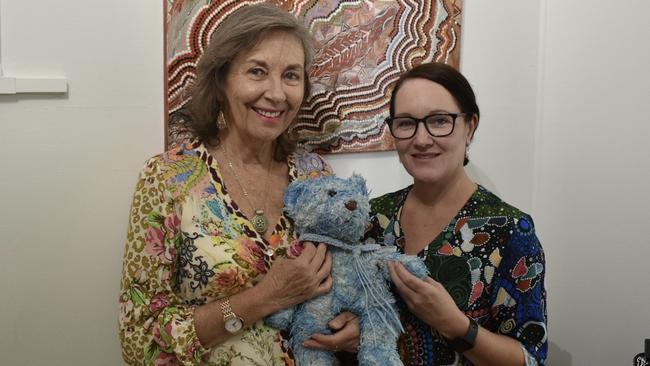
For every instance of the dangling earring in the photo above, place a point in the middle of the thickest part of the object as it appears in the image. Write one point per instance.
(221, 121)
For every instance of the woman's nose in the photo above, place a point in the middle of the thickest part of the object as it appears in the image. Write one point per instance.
(422, 136)
(275, 90)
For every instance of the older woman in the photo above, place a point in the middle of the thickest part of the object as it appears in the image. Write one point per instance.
(209, 251)
(484, 302)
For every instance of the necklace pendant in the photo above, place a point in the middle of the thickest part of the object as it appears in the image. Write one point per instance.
(259, 221)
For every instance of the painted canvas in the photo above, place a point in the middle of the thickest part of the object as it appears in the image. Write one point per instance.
(361, 49)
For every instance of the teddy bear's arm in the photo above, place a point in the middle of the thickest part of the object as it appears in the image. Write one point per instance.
(282, 319)
(413, 264)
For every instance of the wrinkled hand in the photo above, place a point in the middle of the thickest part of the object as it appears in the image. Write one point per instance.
(292, 281)
(429, 300)
(345, 337)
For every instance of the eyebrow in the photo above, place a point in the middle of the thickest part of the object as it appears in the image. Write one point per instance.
(265, 65)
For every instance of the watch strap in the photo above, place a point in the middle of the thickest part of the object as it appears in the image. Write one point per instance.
(466, 342)
(226, 310)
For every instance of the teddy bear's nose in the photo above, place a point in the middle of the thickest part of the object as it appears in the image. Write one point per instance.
(351, 205)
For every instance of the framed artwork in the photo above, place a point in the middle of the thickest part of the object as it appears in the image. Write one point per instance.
(361, 49)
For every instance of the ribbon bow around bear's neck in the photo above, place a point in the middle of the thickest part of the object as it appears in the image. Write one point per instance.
(355, 249)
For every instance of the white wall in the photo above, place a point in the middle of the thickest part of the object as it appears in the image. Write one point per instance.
(552, 78)
(68, 166)
(593, 168)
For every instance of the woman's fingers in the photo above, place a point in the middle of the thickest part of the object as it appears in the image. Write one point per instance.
(345, 338)
(308, 252)
(401, 287)
(319, 269)
(325, 286)
(325, 268)
(315, 258)
(413, 283)
(319, 256)
(342, 319)
(312, 343)
(293, 281)
(334, 342)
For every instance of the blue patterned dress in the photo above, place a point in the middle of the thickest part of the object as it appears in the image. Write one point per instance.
(490, 261)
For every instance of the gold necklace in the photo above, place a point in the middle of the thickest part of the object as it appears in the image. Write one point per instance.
(259, 220)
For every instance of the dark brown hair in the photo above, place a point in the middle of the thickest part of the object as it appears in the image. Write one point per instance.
(452, 80)
(238, 33)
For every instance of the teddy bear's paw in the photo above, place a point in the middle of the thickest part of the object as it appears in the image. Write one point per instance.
(412, 263)
(416, 266)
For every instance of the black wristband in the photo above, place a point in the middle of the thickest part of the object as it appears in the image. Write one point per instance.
(466, 342)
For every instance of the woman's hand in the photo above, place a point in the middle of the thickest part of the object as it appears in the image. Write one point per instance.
(292, 281)
(429, 300)
(345, 337)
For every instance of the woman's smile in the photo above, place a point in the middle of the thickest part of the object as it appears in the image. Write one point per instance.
(425, 156)
(267, 113)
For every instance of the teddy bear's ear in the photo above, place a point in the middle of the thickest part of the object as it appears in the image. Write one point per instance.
(293, 192)
(360, 182)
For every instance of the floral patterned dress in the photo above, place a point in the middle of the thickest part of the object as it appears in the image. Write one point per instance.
(492, 264)
(188, 244)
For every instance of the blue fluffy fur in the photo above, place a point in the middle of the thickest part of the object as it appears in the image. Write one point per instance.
(322, 211)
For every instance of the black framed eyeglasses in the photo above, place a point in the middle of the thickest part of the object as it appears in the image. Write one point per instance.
(436, 124)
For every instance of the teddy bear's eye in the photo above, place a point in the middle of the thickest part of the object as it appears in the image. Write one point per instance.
(331, 193)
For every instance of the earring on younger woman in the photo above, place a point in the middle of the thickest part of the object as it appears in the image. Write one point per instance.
(221, 121)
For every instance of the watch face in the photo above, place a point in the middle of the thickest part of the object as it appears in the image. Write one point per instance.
(234, 325)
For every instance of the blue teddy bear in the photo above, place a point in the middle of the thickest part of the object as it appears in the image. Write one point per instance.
(335, 211)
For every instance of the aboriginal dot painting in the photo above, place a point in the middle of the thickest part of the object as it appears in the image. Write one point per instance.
(361, 49)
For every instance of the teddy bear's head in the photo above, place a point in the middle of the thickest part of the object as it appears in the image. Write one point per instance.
(329, 206)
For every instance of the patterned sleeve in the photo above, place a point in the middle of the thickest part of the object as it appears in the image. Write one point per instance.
(156, 327)
(311, 165)
(327, 168)
(519, 297)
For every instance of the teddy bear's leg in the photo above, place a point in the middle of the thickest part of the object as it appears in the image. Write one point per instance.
(312, 317)
(378, 344)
